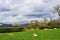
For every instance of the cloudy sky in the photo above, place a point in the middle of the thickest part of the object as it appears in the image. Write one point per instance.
(23, 11)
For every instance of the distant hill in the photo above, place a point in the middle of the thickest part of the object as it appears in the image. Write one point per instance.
(5, 25)
(10, 25)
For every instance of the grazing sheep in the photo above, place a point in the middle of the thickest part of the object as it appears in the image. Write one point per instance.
(45, 29)
(55, 28)
(11, 34)
(34, 34)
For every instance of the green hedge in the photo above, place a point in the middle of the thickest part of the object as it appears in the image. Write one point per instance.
(10, 29)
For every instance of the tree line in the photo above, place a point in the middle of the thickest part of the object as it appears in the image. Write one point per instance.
(34, 24)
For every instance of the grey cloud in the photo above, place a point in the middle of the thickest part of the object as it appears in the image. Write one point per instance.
(4, 9)
(19, 10)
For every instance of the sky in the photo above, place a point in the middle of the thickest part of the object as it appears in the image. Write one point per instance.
(23, 11)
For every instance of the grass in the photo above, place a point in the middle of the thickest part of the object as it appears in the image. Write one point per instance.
(53, 34)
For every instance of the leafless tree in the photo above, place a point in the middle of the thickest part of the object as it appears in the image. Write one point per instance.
(57, 9)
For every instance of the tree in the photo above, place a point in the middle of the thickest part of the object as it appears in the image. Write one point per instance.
(57, 9)
(45, 20)
(45, 24)
(15, 25)
(35, 24)
(53, 23)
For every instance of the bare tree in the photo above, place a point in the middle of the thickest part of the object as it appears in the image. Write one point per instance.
(57, 9)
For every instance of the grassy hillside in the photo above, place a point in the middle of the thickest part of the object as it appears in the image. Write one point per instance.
(53, 34)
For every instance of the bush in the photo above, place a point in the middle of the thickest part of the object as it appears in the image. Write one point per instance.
(12, 29)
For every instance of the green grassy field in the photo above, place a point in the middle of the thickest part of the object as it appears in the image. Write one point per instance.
(53, 34)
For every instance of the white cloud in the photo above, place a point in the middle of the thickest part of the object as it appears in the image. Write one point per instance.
(24, 7)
